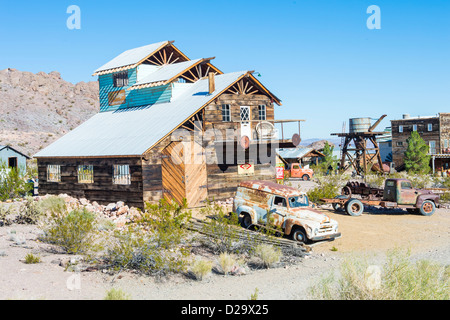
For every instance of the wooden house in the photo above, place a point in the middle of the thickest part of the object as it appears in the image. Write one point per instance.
(168, 127)
(434, 130)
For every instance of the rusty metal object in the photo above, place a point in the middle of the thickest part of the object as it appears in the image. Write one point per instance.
(267, 203)
(397, 193)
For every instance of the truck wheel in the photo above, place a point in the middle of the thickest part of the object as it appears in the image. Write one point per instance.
(427, 208)
(305, 177)
(246, 221)
(354, 207)
(338, 206)
(298, 234)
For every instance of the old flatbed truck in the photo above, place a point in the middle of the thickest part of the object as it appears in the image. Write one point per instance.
(397, 193)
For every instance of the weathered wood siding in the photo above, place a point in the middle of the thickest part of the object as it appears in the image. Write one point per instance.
(102, 189)
(213, 112)
(399, 139)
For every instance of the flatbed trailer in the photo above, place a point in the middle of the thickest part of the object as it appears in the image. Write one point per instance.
(398, 193)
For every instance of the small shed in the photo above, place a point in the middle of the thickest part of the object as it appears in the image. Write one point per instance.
(304, 156)
(12, 158)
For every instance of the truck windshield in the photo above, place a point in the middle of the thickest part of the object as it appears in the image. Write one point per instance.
(298, 201)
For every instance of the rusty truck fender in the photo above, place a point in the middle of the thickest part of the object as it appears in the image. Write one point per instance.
(242, 209)
(432, 197)
(289, 223)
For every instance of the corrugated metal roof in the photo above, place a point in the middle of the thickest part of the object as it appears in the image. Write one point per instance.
(293, 153)
(131, 132)
(166, 72)
(131, 57)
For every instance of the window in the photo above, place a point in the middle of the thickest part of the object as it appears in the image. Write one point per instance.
(279, 201)
(414, 127)
(400, 128)
(122, 174)
(53, 173)
(86, 174)
(399, 143)
(12, 162)
(120, 79)
(432, 145)
(406, 185)
(226, 116)
(446, 144)
(390, 183)
(430, 127)
(262, 112)
(298, 201)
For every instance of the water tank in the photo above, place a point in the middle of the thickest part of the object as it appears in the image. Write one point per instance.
(359, 125)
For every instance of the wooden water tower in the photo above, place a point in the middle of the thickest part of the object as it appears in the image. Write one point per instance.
(366, 153)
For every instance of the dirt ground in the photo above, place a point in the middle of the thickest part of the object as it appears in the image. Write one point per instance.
(370, 235)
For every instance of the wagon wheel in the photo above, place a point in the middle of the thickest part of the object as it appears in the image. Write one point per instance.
(346, 191)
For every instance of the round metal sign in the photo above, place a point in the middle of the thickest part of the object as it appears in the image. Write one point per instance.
(245, 142)
(296, 139)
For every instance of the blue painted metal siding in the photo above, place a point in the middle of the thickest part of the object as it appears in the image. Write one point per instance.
(134, 98)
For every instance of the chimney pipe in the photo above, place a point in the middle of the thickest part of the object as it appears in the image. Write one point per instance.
(212, 85)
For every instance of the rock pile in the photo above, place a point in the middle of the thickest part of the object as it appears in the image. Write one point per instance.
(117, 212)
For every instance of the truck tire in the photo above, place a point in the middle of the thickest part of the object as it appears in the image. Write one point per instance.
(338, 206)
(354, 207)
(305, 177)
(246, 221)
(427, 208)
(298, 234)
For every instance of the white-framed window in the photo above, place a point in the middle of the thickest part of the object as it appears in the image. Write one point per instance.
(262, 112)
(430, 127)
(226, 114)
(432, 145)
(414, 127)
(86, 173)
(121, 174)
(400, 128)
(53, 173)
(399, 143)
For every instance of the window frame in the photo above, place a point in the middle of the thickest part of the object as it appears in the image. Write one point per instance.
(121, 174)
(57, 173)
(414, 127)
(262, 112)
(430, 127)
(85, 173)
(226, 113)
(400, 128)
(120, 79)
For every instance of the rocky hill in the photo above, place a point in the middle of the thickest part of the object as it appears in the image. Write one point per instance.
(37, 109)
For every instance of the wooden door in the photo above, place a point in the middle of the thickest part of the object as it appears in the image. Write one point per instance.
(184, 173)
(172, 169)
(246, 129)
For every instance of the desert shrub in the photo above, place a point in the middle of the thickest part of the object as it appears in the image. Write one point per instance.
(136, 249)
(13, 183)
(31, 259)
(166, 220)
(221, 230)
(200, 268)
(116, 294)
(268, 254)
(226, 262)
(74, 232)
(53, 205)
(399, 279)
(375, 180)
(327, 190)
(4, 212)
(29, 213)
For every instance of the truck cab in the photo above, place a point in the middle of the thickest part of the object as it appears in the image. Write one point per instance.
(403, 194)
(298, 171)
(264, 202)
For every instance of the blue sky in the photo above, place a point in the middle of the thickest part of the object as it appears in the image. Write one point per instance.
(317, 56)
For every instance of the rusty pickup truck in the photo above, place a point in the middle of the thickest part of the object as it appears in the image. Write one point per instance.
(397, 193)
(296, 170)
(288, 209)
